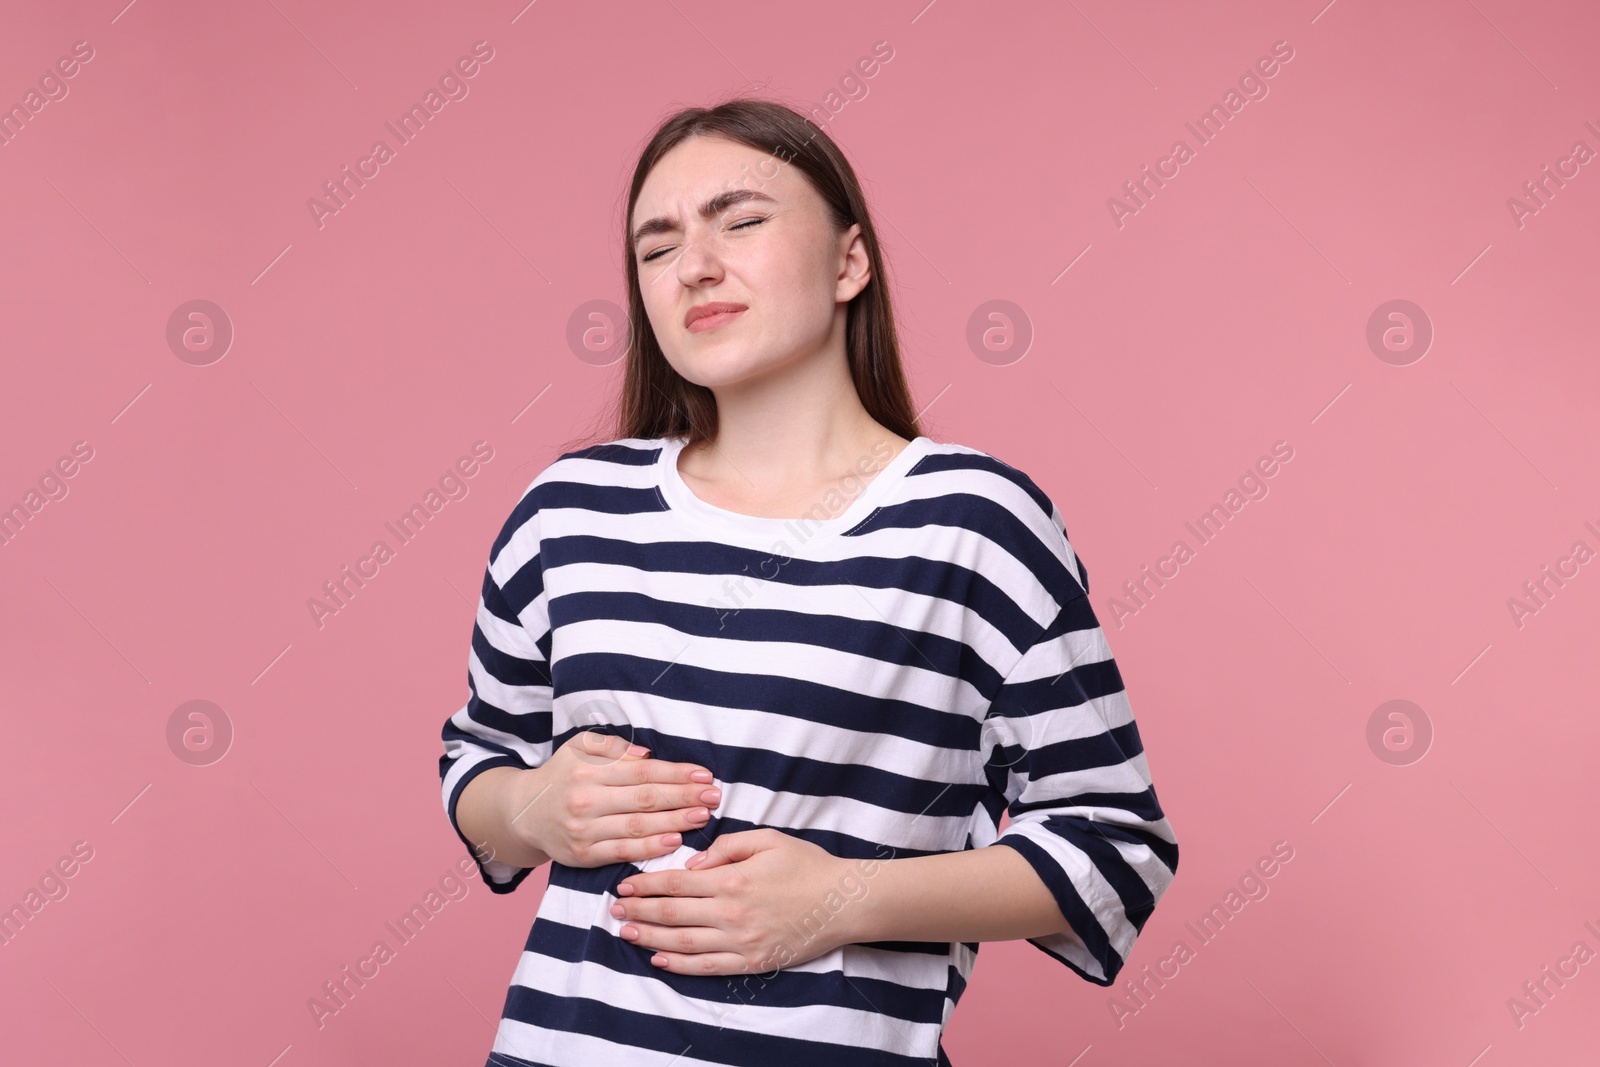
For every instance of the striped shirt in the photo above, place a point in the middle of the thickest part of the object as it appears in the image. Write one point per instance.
(888, 677)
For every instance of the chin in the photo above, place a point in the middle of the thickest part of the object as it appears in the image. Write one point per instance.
(719, 370)
(721, 376)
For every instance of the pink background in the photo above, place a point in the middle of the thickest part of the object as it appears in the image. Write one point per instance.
(1229, 313)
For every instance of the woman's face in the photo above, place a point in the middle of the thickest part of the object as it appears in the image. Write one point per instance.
(720, 222)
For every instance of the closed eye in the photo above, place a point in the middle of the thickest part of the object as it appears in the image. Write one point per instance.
(736, 226)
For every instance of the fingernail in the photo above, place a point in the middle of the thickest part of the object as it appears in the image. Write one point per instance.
(616, 910)
(710, 796)
(630, 933)
(701, 776)
(670, 839)
(638, 750)
(694, 859)
(625, 889)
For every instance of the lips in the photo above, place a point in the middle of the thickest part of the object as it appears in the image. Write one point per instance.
(709, 316)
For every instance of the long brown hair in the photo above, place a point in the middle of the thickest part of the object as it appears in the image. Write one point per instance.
(657, 401)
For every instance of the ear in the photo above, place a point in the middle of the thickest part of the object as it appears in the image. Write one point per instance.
(855, 266)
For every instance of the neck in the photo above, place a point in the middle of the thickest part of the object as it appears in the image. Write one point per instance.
(800, 425)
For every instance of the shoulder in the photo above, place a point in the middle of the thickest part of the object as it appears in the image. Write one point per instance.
(1023, 535)
(621, 462)
(580, 478)
(960, 468)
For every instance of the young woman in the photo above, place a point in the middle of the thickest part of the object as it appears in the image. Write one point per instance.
(760, 674)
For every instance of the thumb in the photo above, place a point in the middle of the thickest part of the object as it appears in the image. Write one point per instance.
(728, 848)
(599, 746)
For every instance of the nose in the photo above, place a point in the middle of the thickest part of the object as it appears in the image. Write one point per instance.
(697, 263)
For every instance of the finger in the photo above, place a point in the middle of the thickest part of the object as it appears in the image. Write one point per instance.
(711, 857)
(650, 799)
(666, 911)
(660, 771)
(673, 882)
(636, 837)
(699, 962)
(636, 785)
(685, 939)
(596, 747)
(730, 848)
(638, 850)
(635, 825)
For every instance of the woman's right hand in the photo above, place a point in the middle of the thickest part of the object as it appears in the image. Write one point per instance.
(599, 800)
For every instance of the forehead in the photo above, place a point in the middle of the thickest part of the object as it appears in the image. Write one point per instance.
(703, 166)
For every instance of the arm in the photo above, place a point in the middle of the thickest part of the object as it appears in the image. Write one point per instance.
(983, 894)
(1069, 765)
(505, 725)
(485, 809)
(1084, 820)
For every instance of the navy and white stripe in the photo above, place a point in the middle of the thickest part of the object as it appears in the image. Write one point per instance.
(888, 682)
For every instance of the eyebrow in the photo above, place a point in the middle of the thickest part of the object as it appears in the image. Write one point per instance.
(710, 209)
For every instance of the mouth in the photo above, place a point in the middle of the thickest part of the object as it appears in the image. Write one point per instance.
(713, 316)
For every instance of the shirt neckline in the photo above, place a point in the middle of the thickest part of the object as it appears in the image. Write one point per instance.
(767, 532)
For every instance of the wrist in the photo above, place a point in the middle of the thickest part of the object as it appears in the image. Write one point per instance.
(861, 883)
(517, 800)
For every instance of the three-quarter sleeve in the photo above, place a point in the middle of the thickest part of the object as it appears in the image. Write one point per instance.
(1064, 750)
(506, 721)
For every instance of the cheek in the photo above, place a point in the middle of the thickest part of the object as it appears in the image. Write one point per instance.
(655, 286)
(797, 291)
(659, 306)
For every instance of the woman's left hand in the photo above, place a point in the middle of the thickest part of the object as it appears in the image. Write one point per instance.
(752, 902)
